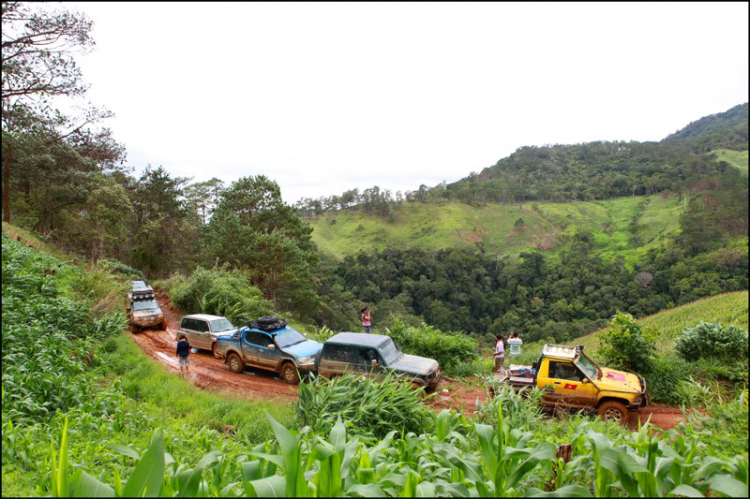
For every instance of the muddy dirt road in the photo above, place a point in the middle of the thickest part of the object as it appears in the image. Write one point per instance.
(210, 373)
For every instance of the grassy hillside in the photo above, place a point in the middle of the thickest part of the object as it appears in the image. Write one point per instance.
(455, 225)
(738, 159)
(729, 308)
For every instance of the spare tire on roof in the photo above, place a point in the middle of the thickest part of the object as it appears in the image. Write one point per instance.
(268, 319)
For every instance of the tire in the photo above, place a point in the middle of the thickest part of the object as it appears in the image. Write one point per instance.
(133, 328)
(614, 412)
(164, 325)
(235, 363)
(289, 374)
(267, 320)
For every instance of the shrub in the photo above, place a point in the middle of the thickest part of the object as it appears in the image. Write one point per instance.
(220, 292)
(118, 267)
(626, 345)
(451, 350)
(374, 407)
(664, 374)
(712, 340)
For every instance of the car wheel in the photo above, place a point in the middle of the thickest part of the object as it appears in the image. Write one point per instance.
(289, 373)
(235, 363)
(614, 412)
(133, 328)
(164, 325)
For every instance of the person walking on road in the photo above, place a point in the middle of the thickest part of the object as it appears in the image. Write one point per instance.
(514, 344)
(183, 353)
(366, 320)
(499, 352)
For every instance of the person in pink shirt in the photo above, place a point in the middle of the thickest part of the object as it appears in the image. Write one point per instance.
(499, 351)
(366, 320)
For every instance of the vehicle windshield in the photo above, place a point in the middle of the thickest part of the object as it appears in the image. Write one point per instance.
(288, 337)
(390, 352)
(144, 305)
(219, 325)
(587, 366)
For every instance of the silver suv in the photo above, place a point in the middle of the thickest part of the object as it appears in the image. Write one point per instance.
(203, 329)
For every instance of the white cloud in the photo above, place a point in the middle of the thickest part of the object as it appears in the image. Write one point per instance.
(325, 97)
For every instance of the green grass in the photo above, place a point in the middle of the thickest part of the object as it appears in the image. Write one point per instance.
(728, 308)
(738, 159)
(458, 225)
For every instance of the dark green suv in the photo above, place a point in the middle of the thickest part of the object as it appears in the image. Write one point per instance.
(374, 355)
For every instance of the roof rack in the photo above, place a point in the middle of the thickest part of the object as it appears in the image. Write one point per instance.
(264, 324)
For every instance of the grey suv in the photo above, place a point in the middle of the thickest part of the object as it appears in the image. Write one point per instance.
(374, 355)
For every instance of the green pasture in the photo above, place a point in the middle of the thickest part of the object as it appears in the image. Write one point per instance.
(738, 159)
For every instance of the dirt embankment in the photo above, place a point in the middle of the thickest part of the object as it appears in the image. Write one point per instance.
(210, 373)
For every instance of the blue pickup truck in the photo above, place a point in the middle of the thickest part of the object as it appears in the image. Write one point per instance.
(269, 343)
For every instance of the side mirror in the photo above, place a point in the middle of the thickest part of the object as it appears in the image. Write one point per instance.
(585, 380)
(272, 347)
(374, 362)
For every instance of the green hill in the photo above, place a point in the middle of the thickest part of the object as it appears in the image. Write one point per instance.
(504, 229)
(738, 159)
(732, 119)
(728, 308)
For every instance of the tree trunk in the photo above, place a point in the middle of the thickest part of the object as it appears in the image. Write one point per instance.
(6, 184)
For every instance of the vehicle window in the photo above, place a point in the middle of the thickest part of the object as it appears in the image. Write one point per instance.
(256, 338)
(587, 366)
(288, 337)
(144, 305)
(564, 370)
(390, 352)
(188, 324)
(220, 325)
(366, 356)
(337, 353)
(201, 326)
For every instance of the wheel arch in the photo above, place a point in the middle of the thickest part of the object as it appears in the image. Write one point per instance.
(611, 398)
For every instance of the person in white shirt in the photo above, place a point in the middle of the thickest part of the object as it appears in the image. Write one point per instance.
(514, 344)
(499, 351)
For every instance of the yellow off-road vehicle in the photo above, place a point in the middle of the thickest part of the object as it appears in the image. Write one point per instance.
(569, 379)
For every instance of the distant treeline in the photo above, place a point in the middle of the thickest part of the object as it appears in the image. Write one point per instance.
(580, 172)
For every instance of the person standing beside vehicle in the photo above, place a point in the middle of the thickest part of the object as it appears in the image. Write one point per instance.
(514, 344)
(499, 352)
(183, 353)
(366, 320)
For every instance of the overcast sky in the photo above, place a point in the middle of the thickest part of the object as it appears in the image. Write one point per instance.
(327, 97)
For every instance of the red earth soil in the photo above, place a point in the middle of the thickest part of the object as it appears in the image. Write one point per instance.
(209, 373)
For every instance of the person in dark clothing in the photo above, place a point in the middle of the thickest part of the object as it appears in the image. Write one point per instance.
(183, 352)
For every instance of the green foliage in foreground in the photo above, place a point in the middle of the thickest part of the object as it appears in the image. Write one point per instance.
(370, 406)
(219, 292)
(460, 459)
(705, 340)
(49, 340)
(451, 350)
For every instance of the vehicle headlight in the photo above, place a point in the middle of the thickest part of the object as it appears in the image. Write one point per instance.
(306, 360)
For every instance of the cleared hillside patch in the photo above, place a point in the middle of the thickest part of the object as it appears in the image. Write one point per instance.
(738, 159)
(728, 308)
(502, 229)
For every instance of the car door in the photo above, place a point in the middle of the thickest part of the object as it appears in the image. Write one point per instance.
(187, 328)
(362, 362)
(255, 345)
(567, 385)
(202, 337)
(268, 357)
(333, 360)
